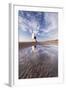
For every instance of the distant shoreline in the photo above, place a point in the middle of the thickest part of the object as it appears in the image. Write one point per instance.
(27, 44)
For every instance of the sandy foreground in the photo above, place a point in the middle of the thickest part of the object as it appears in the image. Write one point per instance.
(40, 63)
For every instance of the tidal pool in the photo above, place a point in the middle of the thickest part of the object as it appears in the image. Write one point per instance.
(38, 61)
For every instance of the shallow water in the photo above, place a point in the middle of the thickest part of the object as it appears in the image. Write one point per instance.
(38, 61)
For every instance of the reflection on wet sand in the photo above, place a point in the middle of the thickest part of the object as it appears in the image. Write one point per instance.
(33, 48)
(38, 61)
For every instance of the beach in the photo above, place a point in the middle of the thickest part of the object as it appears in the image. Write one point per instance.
(38, 59)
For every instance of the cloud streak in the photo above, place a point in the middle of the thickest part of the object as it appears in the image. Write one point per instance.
(43, 24)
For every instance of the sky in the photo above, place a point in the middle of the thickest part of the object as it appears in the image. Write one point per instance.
(43, 24)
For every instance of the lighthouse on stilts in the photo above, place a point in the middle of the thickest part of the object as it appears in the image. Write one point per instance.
(33, 37)
(34, 41)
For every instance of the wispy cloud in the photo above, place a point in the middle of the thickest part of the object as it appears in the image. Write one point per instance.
(43, 24)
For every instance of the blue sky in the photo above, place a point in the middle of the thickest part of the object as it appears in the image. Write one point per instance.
(43, 24)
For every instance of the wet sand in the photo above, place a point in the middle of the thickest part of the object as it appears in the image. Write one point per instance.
(41, 62)
(27, 44)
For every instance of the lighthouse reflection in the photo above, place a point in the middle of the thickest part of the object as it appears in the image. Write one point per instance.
(33, 48)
